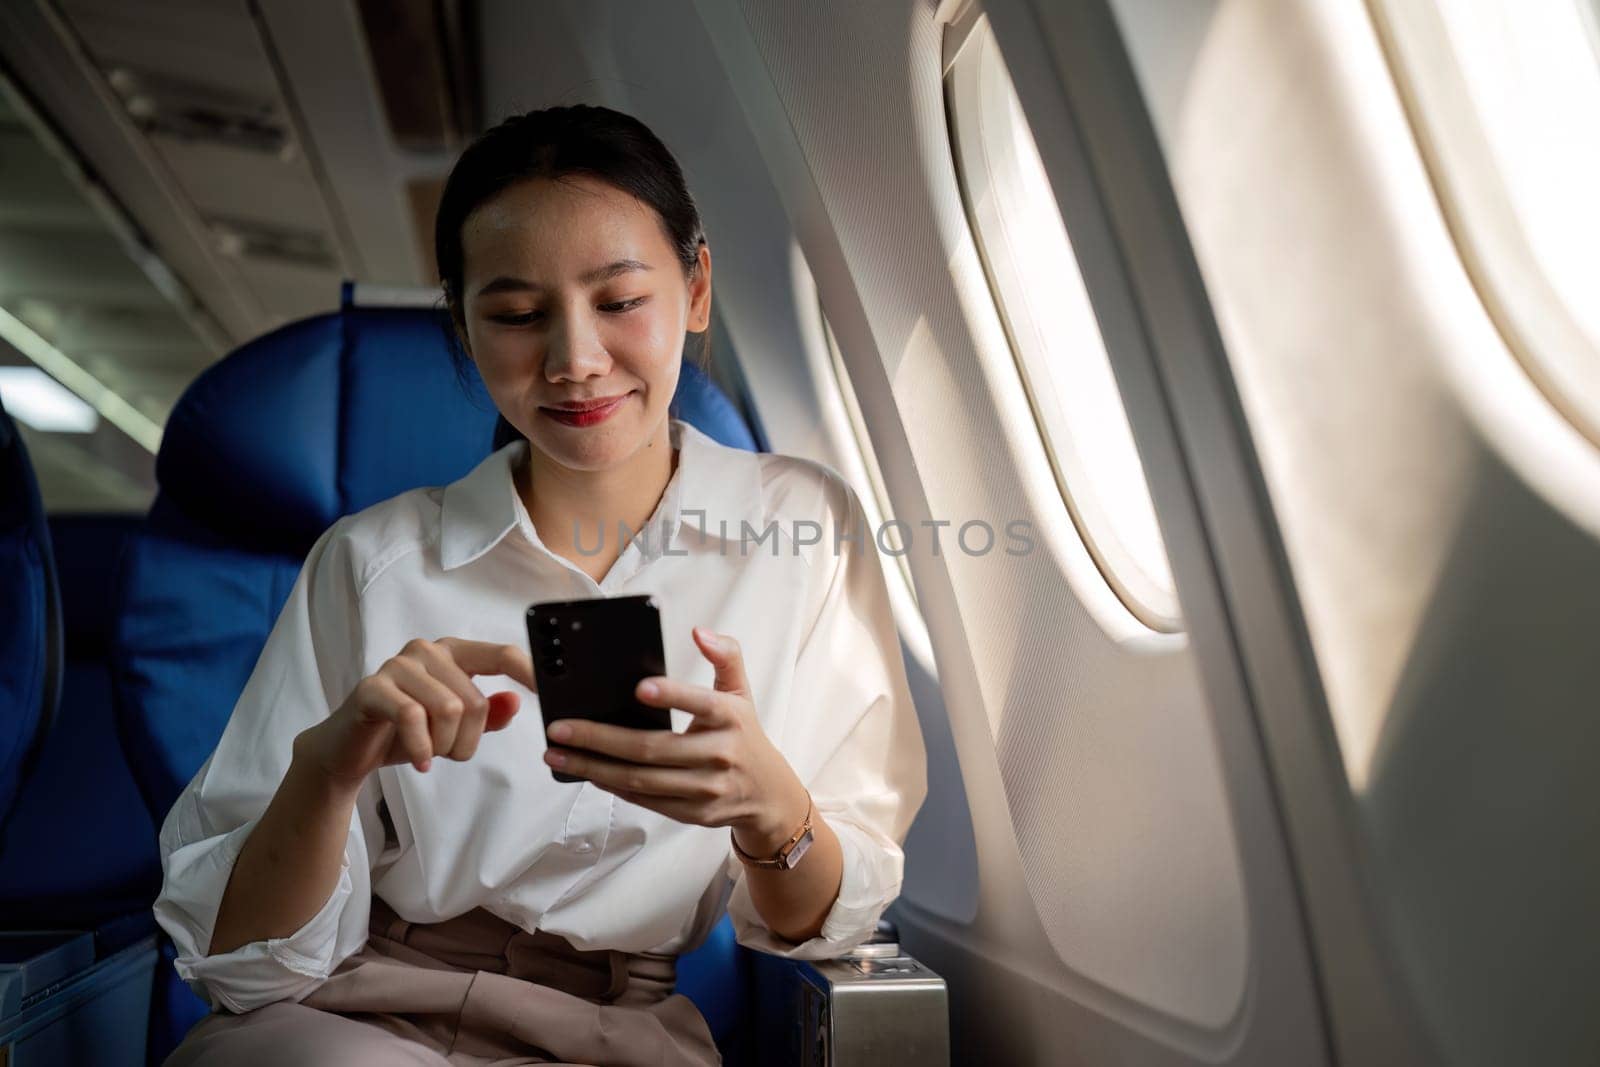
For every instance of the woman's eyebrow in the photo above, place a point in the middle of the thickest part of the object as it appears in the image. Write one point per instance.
(508, 284)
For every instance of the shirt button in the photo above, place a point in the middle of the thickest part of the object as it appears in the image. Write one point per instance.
(582, 846)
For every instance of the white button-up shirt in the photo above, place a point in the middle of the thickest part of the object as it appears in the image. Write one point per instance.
(772, 549)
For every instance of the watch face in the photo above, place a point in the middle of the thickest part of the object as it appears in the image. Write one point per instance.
(797, 851)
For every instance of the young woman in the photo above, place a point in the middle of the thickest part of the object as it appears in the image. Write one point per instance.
(376, 864)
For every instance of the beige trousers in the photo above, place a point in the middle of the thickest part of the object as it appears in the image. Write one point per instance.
(474, 990)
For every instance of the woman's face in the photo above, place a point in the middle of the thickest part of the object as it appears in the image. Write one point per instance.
(571, 294)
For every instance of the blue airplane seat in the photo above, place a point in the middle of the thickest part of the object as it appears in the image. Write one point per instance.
(264, 451)
(30, 617)
(76, 936)
(73, 856)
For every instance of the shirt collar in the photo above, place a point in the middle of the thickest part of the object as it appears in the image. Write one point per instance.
(714, 490)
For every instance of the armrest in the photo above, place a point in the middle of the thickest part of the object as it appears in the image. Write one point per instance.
(876, 1005)
(61, 1005)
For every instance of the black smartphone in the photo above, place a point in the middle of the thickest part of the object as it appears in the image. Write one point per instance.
(588, 655)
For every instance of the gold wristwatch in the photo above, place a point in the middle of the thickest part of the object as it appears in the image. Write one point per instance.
(789, 854)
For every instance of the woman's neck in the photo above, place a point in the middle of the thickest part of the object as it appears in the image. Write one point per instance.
(576, 508)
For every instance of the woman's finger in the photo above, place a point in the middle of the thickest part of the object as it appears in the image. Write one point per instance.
(660, 748)
(439, 662)
(410, 720)
(709, 707)
(485, 657)
(469, 731)
(610, 774)
(444, 708)
(726, 657)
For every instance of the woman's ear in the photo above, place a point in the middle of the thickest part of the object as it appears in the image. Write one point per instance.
(700, 293)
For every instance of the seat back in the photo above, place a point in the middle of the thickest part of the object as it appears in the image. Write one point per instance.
(80, 789)
(30, 618)
(262, 453)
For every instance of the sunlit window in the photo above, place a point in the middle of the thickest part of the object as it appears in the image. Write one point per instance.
(1053, 332)
(1506, 97)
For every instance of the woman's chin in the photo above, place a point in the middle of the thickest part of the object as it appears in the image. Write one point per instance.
(591, 448)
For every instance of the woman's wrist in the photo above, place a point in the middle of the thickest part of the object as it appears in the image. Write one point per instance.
(310, 772)
(771, 827)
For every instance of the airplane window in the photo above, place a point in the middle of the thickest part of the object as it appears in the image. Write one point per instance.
(1506, 97)
(1053, 332)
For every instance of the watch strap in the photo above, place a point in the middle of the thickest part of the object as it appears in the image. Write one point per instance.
(780, 860)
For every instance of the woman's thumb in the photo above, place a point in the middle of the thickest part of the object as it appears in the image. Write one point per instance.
(502, 708)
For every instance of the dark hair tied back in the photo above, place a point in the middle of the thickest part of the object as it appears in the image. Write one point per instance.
(555, 143)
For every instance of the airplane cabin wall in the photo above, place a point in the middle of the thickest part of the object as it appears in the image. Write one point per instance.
(1440, 513)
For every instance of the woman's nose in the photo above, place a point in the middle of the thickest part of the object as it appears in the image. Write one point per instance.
(574, 350)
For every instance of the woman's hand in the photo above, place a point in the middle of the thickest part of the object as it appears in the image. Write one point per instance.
(723, 771)
(418, 705)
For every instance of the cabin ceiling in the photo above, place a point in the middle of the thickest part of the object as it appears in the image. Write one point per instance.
(178, 176)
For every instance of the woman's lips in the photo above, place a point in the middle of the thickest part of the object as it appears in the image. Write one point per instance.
(586, 417)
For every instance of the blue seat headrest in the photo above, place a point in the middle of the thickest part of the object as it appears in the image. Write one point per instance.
(319, 419)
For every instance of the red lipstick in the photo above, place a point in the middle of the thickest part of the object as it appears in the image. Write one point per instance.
(585, 412)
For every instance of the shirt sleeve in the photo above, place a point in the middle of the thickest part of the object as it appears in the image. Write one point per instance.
(862, 755)
(311, 661)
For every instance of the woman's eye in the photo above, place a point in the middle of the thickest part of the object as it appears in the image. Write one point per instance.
(527, 318)
(522, 319)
